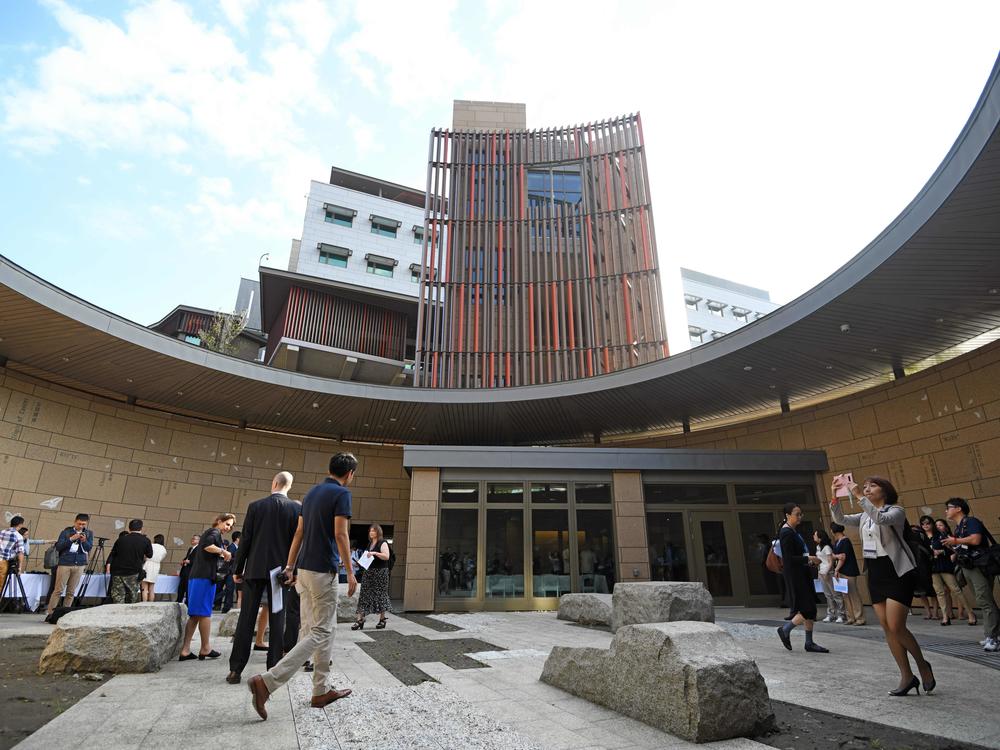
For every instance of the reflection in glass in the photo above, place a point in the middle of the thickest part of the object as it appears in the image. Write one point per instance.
(505, 493)
(593, 492)
(460, 492)
(687, 494)
(768, 494)
(595, 550)
(713, 540)
(757, 530)
(504, 553)
(549, 493)
(667, 550)
(550, 551)
(457, 563)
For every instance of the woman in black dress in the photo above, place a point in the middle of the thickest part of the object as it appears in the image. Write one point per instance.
(374, 596)
(795, 560)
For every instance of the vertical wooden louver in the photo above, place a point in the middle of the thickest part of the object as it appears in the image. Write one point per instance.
(539, 260)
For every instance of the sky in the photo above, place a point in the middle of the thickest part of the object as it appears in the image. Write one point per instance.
(152, 151)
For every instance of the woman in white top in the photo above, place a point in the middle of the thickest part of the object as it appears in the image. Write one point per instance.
(152, 568)
(834, 599)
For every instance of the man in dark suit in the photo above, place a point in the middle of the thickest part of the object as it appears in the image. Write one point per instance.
(267, 536)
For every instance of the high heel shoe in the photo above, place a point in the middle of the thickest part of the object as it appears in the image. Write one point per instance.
(928, 686)
(358, 625)
(914, 684)
(381, 625)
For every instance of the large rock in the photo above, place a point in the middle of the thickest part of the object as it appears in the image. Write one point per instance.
(690, 679)
(115, 638)
(585, 609)
(227, 625)
(347, 606)
(660, 601)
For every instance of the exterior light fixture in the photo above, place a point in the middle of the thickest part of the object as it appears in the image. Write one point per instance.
(747, 368)
(845, 328)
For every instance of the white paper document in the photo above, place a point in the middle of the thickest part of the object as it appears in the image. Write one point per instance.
(366, 560)
(277, 603)
(839, 585)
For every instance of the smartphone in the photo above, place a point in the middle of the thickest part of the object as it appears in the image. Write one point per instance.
(841, 483)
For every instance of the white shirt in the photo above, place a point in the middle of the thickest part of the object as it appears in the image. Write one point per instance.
(825, 556)
(871, 538)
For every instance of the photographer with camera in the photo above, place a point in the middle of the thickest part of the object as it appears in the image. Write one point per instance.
(74, 545)
(970, 544)
(12, 551)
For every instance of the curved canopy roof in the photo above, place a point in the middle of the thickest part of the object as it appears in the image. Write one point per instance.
(926, 288)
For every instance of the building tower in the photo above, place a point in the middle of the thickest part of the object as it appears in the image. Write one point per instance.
(539, 261)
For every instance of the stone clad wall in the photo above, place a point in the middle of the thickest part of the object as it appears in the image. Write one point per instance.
(63, 453)
(934, 435)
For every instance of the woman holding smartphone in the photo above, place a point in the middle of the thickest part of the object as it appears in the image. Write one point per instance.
(892, 572)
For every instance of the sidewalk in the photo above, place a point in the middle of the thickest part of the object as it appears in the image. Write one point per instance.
(504, 705)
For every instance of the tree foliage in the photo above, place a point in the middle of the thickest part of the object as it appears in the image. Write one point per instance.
(223, 331)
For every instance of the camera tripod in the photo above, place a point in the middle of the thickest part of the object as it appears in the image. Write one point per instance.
(96, 563)
(13, 598)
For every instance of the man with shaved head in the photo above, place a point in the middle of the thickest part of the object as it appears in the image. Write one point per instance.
(267, 536)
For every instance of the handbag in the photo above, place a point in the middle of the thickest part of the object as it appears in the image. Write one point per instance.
(773, 562)
(223, 569)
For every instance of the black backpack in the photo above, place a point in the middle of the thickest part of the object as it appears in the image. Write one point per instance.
(921, 553)
(392, 556)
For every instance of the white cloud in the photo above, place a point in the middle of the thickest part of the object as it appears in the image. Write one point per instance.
(237, 12)
(83, 180)
(364, 134)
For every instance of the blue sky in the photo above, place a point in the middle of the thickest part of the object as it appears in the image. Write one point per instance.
(151, 151)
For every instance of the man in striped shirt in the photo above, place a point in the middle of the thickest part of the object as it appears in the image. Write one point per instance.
(11, 550)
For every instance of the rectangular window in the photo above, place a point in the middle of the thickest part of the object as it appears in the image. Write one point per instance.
(380, 269)
(192, 339)
(696, 334)
(418, 236)
(383, 226)
(549, 493)
(593, 492)
(741, 314)
(457, 564)
(595, 550)
(685, 494)
(460, 492)
(716, 308)
(415, 277)
(691, 302)
(762, 494)
(332, 259)
(339, 215)
(667, 547)
(505, 493)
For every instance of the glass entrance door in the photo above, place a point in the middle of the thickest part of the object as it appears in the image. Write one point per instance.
(715, 545)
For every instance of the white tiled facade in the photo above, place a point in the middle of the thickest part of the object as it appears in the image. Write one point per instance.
(717, 306)
(359, 239)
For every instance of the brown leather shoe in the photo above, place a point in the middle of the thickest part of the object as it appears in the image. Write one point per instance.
(318, 701)
(234, 678)
(260, 695)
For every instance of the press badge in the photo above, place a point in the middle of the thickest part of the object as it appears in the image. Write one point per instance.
(869, 547)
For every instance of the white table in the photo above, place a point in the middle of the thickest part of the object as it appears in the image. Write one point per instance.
(36, 586)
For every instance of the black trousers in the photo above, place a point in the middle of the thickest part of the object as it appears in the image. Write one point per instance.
(253, 591)
(182, 585)
(293, 618)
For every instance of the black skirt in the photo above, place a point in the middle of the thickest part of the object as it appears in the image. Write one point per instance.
(801, 591)
(883, 583)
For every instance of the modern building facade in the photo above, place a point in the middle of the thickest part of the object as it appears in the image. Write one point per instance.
(544, 267)
(499, 498)
(717, 306)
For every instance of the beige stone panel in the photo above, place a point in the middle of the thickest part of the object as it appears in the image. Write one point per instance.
(157, 439)
(50, 525)
(626, 572)
(230, 451)
(162, 473)
(889, 453)
(24, 434)
(318, 462)
(885, 439)
(378, 511)
(424, 530)
(158, 459)
(142, 490)
(5, 496)
(927, 445)
(388, 493)
(972, 434)
(425, 487)
(421, 571)
(971, 417)
(764, 441)
(205, 467)
(117, 431)
(943, 399)
(235, 482)
(850, 447)
(5, 394)
(40, 453)
(83, 460)
(102, 485)
(123, 511)
(956, 465)
(374, 466)
(118, 453)
(196, 477)
(937, 496)
(59, 480)
(423, 508)
(180, 495)
(986, 487)
(418, 595)
(13, 447)
(76, 445)
(979, 386)
(103, 408)
(38, 413)
(220, 499)
(19, 473)
(294, 460)
(79, 423)
(19, 383)
(262, 456)
(926, 429)
(913, 473)
(904, 411)
(827, 431)
(987, 456)
(125, 467)
(157, 513)
(626, 487)
(863, 422)
(188, 445)
(634, 555)
(241, 501)
(400, 510)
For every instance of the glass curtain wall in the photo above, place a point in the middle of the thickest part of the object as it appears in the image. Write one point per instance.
(521, 545)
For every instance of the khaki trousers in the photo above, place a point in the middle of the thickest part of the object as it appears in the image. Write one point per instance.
(318, 607)
(68, 578)
(945, 582)
(855, 607)
(983, 587)
(4, 567)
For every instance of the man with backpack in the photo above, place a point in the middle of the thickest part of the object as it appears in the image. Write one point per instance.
(976, 556)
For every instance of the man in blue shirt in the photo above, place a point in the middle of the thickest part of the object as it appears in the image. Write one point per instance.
(971, 537)
(321, 541)
(74, 544)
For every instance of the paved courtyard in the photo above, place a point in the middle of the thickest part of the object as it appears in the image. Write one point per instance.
(493, 699)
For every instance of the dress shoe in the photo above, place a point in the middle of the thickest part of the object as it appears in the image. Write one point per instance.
(260, 695)
(931, 683)
(785, 640)
(187, 657)
(213, 654)
(265, 647)
(815, 648)
(234, 678)
(914, 684)
(318, 701)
